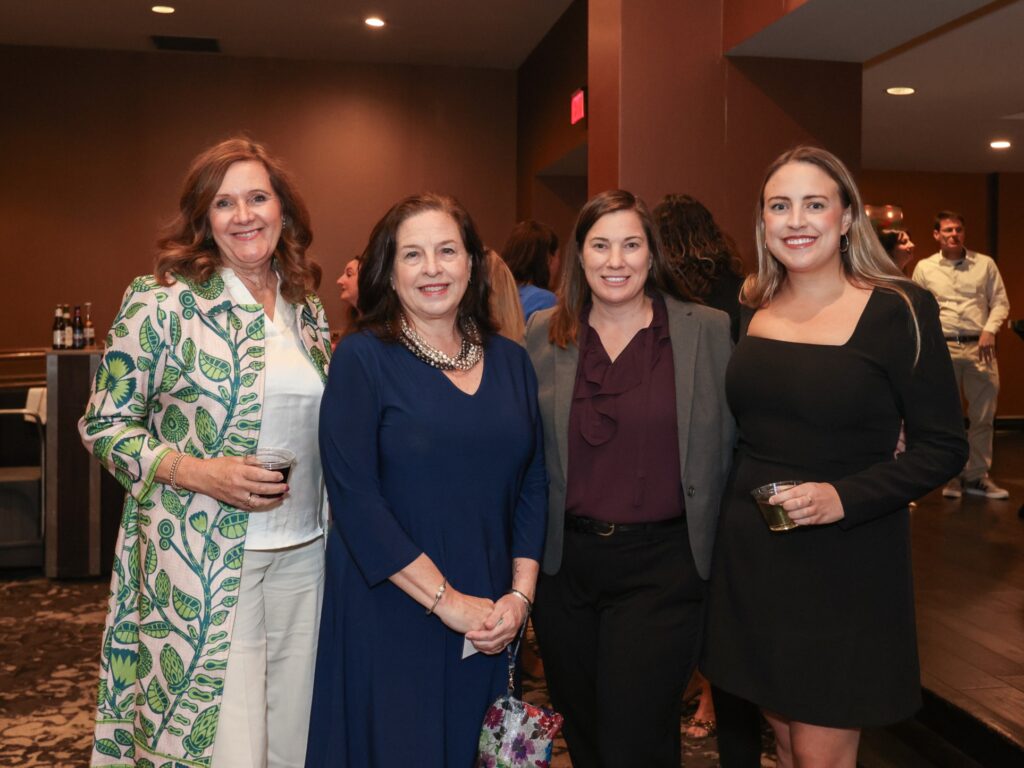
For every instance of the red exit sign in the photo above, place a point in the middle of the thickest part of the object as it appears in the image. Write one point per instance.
(577, 107)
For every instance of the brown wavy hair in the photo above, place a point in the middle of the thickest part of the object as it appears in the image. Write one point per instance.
(575, 292)
(187, 248)
(379, 305)
(695, 246)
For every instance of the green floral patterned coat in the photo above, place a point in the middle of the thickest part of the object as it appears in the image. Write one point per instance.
(183, 371)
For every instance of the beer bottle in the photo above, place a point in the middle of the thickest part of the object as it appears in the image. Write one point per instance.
(77, 330)
(69, 338)
(90, 330)
(58, 328)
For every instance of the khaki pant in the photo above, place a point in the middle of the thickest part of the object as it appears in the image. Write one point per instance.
(979, 383)
(268, 685)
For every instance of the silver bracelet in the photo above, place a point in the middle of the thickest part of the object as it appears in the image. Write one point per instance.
(522, 596)
(437, 596)
(174, 472)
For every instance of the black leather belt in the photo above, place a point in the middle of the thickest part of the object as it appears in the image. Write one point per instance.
(960, 339)
(601, 528)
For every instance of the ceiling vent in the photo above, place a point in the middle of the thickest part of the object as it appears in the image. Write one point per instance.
(187, 44)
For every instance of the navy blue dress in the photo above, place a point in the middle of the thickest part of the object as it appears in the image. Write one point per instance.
(414, 465)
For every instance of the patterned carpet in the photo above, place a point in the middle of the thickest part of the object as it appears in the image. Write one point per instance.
(49, 649)
(49, 645)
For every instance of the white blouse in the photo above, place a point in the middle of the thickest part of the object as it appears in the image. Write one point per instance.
(291, 418)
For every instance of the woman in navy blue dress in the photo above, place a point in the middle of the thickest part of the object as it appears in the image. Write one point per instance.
(433, 455)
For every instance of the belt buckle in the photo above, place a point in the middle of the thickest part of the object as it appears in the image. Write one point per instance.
(611, 530)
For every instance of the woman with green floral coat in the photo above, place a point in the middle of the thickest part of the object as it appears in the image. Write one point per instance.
(210, 638)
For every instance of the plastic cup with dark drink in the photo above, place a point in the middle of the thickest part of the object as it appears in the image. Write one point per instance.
(274, 459)
(775, 514)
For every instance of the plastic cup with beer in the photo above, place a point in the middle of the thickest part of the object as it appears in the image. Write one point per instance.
(274, 459)
(775, 514)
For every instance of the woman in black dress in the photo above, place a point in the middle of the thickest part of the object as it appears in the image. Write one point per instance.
(816, 624)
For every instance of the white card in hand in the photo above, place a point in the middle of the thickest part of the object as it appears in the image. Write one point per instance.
(467, 648)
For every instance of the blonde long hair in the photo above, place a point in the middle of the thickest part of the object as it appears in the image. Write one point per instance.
(506, 309)
(865, 263)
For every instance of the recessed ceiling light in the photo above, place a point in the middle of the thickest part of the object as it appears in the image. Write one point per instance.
(162, 9)
(900, 90)
(374, 21)
(999, 144)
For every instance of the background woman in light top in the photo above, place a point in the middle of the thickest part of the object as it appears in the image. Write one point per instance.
(216, 587)
(348, 288)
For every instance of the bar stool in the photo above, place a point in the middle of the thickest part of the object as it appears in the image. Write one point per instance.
(25, 546)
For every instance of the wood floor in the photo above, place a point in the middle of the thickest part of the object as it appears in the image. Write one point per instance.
(969, 572)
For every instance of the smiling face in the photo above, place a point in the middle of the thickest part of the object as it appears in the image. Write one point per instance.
(245, 217)
(904, 250)
(804, 218)
(431, 268)
(950, 237)
(616, 258)
(348, 282)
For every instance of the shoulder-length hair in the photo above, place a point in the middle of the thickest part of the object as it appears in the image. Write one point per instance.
(187, 248)
(864, 262)
(527, 250)
(575, 292)
(506, 308)
(695, 246)
(378, 302)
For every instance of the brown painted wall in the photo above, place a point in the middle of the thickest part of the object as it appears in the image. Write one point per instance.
(546, 81)
(692, 121)
(1011, 266)
(604, 63)
(922, 195)
(95, 145)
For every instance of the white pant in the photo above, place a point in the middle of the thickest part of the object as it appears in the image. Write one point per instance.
(979, 382)
(268, 685)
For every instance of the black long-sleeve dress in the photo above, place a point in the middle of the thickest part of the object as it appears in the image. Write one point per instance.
(817, 623)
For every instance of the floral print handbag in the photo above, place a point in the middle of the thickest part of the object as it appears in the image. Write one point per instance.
(516, 734)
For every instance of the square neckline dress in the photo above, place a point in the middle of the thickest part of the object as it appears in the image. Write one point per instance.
(817, 624)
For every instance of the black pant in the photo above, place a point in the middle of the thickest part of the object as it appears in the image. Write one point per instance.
(619, 627)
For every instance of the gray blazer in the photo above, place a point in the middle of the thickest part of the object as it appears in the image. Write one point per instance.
(701, 346)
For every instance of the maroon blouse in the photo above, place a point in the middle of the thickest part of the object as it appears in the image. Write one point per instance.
(623, 436)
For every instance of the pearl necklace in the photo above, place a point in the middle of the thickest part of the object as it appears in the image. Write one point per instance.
(470, 353)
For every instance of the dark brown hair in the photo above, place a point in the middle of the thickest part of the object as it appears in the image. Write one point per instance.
(527, 250)
(943, 215)
(575, 292)
(379, 304)
(187, 248)
(694, 245)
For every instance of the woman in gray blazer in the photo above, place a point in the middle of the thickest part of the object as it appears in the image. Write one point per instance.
(638, 443)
